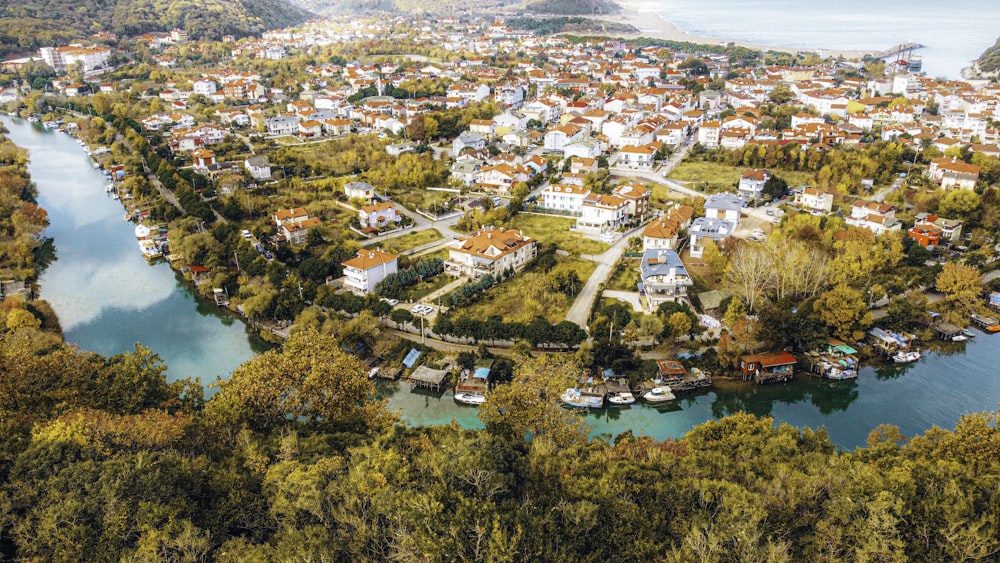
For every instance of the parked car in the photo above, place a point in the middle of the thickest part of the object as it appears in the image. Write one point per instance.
(422, 309)
(392, 302)
(245, 234)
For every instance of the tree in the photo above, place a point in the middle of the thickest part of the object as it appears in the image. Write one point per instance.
(750, 274)
(963, 205)
(844, 311)
(961, 286)
(679, 324)
(775, 187)
(310, 381)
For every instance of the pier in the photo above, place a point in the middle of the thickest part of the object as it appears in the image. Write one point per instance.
(895, 52)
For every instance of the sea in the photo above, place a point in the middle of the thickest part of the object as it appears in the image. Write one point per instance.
(954, 33)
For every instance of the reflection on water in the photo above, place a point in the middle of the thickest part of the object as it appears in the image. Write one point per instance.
(107, 296)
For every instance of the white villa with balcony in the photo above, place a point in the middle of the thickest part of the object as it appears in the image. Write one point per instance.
(368, 268)
(490, 251)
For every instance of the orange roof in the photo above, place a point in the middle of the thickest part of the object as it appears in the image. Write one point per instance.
(768, 359)
(492, 243)
(376, 207)
(664, 227)
(369, 258)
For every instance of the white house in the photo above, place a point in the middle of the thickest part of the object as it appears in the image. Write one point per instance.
(564, 197)
(724, 205)
(258, 167)
(369, 267)
(467, 140)
(293, 224)
(814, 199)
(490, 251)
(636, 157)
(708, 228)
(359, 190)
(377, 215)
(954, 173)
(282, 125)
(664, 278)
(752, 182)
(874, 216)
(204, 87)
(603, 211)
(557, 139)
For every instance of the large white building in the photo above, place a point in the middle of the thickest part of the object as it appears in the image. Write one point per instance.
(490, 251)
(63, 58)
(369, 267)
(567, 198)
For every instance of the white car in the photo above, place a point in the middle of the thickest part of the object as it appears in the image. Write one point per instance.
(392, 302)
(422, 309)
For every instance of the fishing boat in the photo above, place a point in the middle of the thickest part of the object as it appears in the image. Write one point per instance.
(621, 398)
(470, 398)
(960, 337)
(658, 395)
(906, 356)
(968, 333)
(574, 398)
(988, 324)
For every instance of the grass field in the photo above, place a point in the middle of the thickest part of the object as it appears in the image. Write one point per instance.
(548, 229)
(528, 295)
(722, 177)
(625, 275)
(410, 240)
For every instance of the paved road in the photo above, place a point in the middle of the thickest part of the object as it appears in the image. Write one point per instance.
(580, 311)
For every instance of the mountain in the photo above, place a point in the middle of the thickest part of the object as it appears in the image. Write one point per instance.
(461, 7)
(26, 25)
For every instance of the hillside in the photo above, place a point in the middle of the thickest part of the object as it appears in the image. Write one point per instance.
(26, 25)
(989, 61)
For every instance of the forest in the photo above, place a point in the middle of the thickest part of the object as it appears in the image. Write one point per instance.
(26, 25)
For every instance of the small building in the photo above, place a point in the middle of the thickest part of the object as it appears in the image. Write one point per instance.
(258, 167)
(203, 159)
(367, 269)
(954, 173)
(751, 185)
(637, 197)
(767, 367)
(724, 205)
(814, 199)
(359, 190)
(293, 225)
(603, 211)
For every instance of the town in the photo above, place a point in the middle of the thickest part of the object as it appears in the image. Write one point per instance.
(441, 193)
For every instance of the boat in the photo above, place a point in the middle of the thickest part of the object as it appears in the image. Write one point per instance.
(968, 333)
(109, 188)
(128, 217)
(621, 398)
(114, 195)
(658, 395)
(150, 249)
(470, 398)
(988, 324)
(839, 374)
(907, 356)
(960, 337)
(574, 398)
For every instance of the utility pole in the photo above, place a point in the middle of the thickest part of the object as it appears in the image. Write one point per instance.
(237, 261)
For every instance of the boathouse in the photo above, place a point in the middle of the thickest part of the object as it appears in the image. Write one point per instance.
(767, 367)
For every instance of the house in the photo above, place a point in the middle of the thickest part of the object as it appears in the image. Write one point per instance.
(465, 170)
(768, 367)
(751, 185)
(927, 236)
(603, 211)
(363, 272)
(950, 229)
(661, 233)
(708, 228)
(663, 278)
(378, 215)
(876, 217)
(258, 167)
(467, 140)
(293, 225)
(724, 205)
(567, 198)
(814, 199)
(637, 197)
(490, 251)
(636, 157)
(282, 125)
(557, 139)
(203, 159)
(954, 173)
(359, 190)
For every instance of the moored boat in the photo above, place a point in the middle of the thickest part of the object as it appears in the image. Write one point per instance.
(658, 395)
(574, 398)
(470, 398)
(906, 356)
(621, 398)
(960, 337)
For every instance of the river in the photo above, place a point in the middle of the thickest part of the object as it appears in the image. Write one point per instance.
(108, 298)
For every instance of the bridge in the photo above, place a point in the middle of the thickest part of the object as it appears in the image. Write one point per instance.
(895, 52)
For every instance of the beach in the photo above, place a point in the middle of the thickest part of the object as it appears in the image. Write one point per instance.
(645, 16)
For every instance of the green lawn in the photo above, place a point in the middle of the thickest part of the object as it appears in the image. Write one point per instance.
(625, 275)
(424, 288)
(722, 177)
(410, 240)
(528, 295)
(548, 229)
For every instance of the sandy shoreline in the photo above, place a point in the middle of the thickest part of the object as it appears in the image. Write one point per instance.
(643, 16)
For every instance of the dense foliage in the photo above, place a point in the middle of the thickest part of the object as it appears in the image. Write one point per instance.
(989, 61)
(26, 25)
(573, 7)
(568, 24)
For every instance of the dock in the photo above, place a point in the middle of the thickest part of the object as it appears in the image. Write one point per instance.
(988, 324)
(424, 377)
(946, 331)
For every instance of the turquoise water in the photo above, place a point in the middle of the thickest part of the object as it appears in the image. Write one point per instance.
(953, 380)
(107, 296)
(955, 33)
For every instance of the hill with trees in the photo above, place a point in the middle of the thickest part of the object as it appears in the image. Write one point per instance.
(989, 61)
(26, 25)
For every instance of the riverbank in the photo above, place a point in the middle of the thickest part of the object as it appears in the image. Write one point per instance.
(645, 16)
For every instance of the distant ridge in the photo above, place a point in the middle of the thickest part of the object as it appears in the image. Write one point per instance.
(989, 62)
(462, 7)
(26, 25)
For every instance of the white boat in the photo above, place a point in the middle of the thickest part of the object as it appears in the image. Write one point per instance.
(114, 195)
(109, 188)
(905, 357)
(959, 338)
(621, 398)
(658, 395)
(150, 249)
(470, 398)
(574, 398)
(968, 333)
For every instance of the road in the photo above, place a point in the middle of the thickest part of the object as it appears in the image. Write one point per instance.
(579, 313)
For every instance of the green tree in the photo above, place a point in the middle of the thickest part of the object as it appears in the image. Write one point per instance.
(844, 311)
